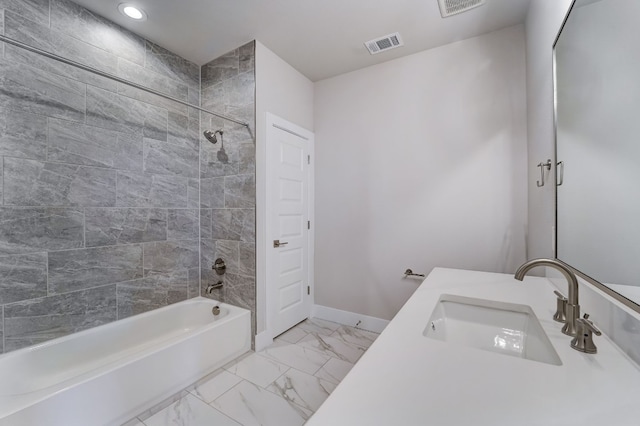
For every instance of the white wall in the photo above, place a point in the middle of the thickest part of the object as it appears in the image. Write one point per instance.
(283, 91)
(420, 162)
(542, 25)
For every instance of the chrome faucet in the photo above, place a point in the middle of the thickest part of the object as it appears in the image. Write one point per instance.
(573, 308)
(215, 286)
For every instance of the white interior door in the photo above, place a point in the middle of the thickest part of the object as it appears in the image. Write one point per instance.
(288, 221)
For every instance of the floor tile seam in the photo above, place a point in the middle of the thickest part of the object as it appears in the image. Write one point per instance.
(312, 375)
(353, 329)
(360, 330)
(303, 349)
(259, 387)
(274, 380)
(331, 322)
(346, 342)
(305, 335)
(288, 400)
(281, 339)
(273, 360)
(338, 337)
(350, 344)
(250, 382)
(317, 332)
(186, 393)
(326, 353)
(236, 361)
(217, 410)
(330, 381)
(227, 391)
(323, 365)
(338, 381)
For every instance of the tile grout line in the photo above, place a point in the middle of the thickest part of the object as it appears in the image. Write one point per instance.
(84, 228)
(323, 365)
(291, 401)
(217, 410)
(228, 390)
(335, 355)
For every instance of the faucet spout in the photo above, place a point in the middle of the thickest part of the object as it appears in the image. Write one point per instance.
(573, 308)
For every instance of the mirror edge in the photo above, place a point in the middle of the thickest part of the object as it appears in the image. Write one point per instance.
(597, 284)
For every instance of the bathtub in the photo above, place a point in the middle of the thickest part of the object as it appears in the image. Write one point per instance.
(109, 374)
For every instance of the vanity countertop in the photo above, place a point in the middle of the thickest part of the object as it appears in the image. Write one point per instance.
(407, 379)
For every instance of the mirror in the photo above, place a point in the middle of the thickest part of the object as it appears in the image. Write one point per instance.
(597, 87)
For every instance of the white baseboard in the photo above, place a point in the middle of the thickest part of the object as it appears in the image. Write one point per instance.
(263, 340)
(352, 319)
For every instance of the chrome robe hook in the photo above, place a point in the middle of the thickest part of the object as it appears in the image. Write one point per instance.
(543, 166)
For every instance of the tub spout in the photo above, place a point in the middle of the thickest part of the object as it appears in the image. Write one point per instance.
(215, 286)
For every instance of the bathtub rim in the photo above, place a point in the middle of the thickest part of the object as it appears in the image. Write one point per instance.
(34, 397)
(78, 334)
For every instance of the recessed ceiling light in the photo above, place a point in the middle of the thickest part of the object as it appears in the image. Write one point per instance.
(133, 12)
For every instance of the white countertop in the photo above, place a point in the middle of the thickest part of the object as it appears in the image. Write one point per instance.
(407, 379)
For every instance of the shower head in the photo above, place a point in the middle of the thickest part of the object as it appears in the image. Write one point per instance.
(211, 136)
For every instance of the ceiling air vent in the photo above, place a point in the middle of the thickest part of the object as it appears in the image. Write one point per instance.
(381, 44)
(453, 7)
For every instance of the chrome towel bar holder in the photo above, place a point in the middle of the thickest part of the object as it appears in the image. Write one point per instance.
(409, 273)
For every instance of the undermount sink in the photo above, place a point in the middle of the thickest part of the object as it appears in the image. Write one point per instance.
(505, 328)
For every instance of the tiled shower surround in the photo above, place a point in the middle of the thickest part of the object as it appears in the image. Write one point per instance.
(101, 183)
(228, 211)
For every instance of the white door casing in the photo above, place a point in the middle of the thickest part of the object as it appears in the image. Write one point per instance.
(289, 209)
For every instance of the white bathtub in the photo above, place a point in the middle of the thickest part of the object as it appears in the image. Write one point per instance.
(108, 374)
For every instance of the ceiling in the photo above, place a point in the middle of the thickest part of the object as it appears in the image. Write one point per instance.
(320, 38)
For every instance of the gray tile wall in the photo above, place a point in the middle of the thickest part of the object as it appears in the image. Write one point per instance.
(228, 189)
(99, 182)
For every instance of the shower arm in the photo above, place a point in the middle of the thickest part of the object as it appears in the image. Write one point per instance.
(117, 79)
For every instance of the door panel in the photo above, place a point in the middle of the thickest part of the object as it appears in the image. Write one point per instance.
(291, 225)
(287, 209)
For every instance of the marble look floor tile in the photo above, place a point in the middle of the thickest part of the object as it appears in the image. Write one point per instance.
(303, 389)
(355, 336)
(332, 346)
(334, 370)
(189, 411)
(215, 384)
(251, 405)
(314, 325)
(257, 369)
(293, 335)
(304, 359)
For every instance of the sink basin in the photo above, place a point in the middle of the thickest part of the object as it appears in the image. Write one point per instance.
(504, 328)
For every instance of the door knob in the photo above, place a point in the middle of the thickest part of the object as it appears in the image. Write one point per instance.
(277, 243)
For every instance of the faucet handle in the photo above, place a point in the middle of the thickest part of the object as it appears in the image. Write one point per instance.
(589, 325)
(583, 341)
(561, 310)
(560, 295)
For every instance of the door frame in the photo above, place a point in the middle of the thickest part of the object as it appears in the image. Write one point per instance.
(267, 236)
